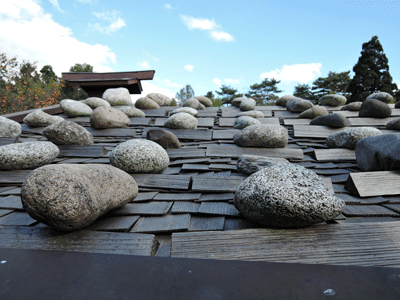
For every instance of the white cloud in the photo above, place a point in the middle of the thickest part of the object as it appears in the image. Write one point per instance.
(302, 73)
(167, 7)
(152, 57)
(29, 39)
(217, 81)
(221, 36)
(144, 65)
(56, 5)
(151, 88)
(189, 68)
(86, 1)
(116, 22)
(232, 81)
(203, 24)
(168, 82)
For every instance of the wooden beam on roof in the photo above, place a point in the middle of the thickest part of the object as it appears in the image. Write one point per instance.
(368, 184)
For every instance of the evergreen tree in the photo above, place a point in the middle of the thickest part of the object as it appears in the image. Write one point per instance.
(334, 83)
(185, 93)
(304, 91)
(264, 91)
(48, 74)
(81, 68)
(371, 72)
(228, 93)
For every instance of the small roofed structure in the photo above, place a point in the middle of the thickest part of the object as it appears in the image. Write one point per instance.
(94, 84)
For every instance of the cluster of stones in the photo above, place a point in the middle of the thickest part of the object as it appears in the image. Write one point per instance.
(153, 101)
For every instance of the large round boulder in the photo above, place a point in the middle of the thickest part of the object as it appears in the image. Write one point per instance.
(161, 99)
(108, 117)
(71, 196)
(331, 120)
(181, 121)
(245, 121)
(249, 164)
(68, 133)
(349, 137)
(140, 156)
(39, 118)
(131, 111)
(193, 103)
(95, 102)
(393, 125)
(286, 196)
(247, 104)
(263, 136)
(375, 109)
(146, 103)
(9, 128)
(332, 100)
(204, 100)
(381, 96)
(164, 138)
(117, 96)
(313, 112)
(282, 101)
(354, 106)
(298, 105)
(73, 109)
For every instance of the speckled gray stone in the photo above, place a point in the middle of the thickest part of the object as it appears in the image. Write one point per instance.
(313, 112)
(375, 109)
(164, 138)
(332, 100)
(39, 118)
(108, 117)
(9, 128)
(71, 196)
(286, 196)
(263, 136)
(193, 103)
(245, 121)
(251, 113)
(204, 100)
(27, 155)
(187, 110)
(331, 120)
(75, 109)
(381, 96)
(132, 112)
(247, 104)
(161, 99)
(298, 105)
(117, 96)
(95, 102)
(146, 103)
(237, 101)
(249, 164)
(354, 106)
(282, 101)
(393, 125)
(140, 156)
(181, 121)
(68, 133)
(349, 137)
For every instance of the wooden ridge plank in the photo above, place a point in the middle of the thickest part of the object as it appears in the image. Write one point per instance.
(6, 141)
(296, 121)
(370, 121)
(224, 134)
(17, 219)
(14, 177)
(206, 223)
(334, 154)
(177, 182)
(189, 161)
(11, 202)
(230, 112)
(186, 134)
(218, 208)
(115, 224)
(286, 114)
(112, 132)
(217, 184)
(195, 167)
(180, 207)
(149, 208)
(379, 183)
(94, 151)
(177, 197)
(235, 151)
(180, 153)
(368, 210)
(168, 223)
(222, 166)
(313, 131)
(145, 196)
(140, 121)
(216, 197)
(161, 112)
(270, 107)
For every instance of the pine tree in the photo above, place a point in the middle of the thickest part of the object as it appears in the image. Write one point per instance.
(265, 91)
(371, 72)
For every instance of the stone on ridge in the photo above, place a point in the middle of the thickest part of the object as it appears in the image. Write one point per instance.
(251, 113)
(39, 118)
(334, 120)
(349, 137)
(354, 106)
(332, 100)
(375, 109)
(75, 109)
(381, 96)
(187, 110)
(193, 103)
(117, 96)
(71, 196)
(379, 153)
(263, 136)
(146, 103)
(297, 104)
(249, 164)
(181, 121)
(286, 196)
(140, 156)
(27, 155)
(245, 121)
(282, 101)
(95, 102)
(161, 99)
(131, 111)
(237, 101)
(9, 128)
(164, 138)
(397, 105)
(247, 104)
(68, 133)
(108, 117)
(313, 112)
(204, 100)
(393, 125)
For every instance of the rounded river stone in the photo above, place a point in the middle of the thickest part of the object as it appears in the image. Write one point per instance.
(332, 100)
(298, 105)
(204, 100)
(9, 128)
(245, 121)
(375, 109)
(349, 137)
(68, 133)
(381, 96)
(193, 103)
(181, 121)
(247, 104)
(146, 103)
(161, 99)
(313, 112)
(39, 118)
(108, 117)
(263, 136)
(282, 101)
(132, 112)
(251, 113)
(95, 102)
(187, 110)
(75, 109)
(335, 120)
(117, 96)
(354, 106)
(249, 164)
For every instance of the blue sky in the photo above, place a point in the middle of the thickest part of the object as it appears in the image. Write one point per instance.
(201, 43)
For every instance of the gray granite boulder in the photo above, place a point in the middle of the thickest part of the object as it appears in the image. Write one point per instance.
(9, 128)
(313, 112)
(249, 164)
(263, 136)
(71, 196)
(354, 106)
(164, 138)
(117, 96)
(298, 105)
(286, 196)
(381, 96)
(108, 117)
(39, 118)
(245, 121)
(132, 112)
(393, 125)
(247, 104)
(68, 133)
(193, 103)
(332, 100)
(187, 110)
(335, 120)
(146, 103)
(161, 99)
(282, 101)
(140, 156)
(181, 121)
(375, 109)
(27, 155)
(95, 102)
(379, 153)
(251, 113)
(349, 137)
(204, 100)
(73, 109)
(237, 101)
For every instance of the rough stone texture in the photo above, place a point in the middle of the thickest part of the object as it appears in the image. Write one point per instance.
(237, 101)
(379, 153)
(397, 105)
(331, 120)
(381, 96)
(181, 121)
(286, 196)
(68, 133)
(263, 136)
(313, 112)
(95, 102)
(332, 100)
(140, 156)
(249, 164)
(204, 100)
(349, 137)
(248, 104)
(39, 118)
(161, 99)
(131, 111)
(394, 124)
(245, 121)
(164, 138)
(375, 109)
(27, 155)
(71, 196)
(193, 103)
(354, 106)
(146, 103)
(75, 109)
(298, 105)
(251, 113)
(9, 128)
(117, 96)
(187, 110)
(282, 101)
(108, 117)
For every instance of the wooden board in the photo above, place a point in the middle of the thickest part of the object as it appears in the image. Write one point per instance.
(177, 197)
(82, 151)
(206, 223)
(140, 121)
(368, 184)
(218, 208)
(270, 107)
(6, 141)
(208, 112)
(370, 121)
(161, 112)
(16, 177)
(11, 202)
(189, 161)
(145, 196)
(216, 197)
(286, 114)
(150, 208)
(169, 223)
(186, 134)
(177, 182)
(362, 201)
(195, 167)
(172, 170)
(17, 219)
(334, 154)
(201, 122)
(222, 167)
(114, 224)
(235, 151)
(224, 134)
(314, 131)
(296, 122)
(217, 184)
(228, 122)
(180, 207)
(368, 211)
(180, 153)
(112, 132)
